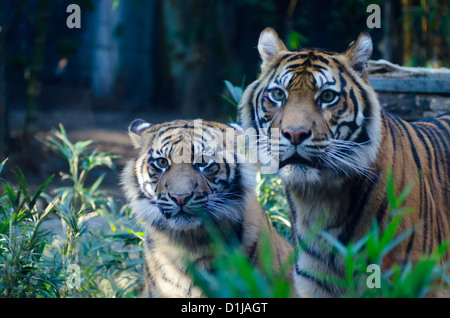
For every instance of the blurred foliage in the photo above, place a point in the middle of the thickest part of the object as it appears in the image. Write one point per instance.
(271, 195)
(427, 41)
(428, 275)
(233, 275)
(35, 258)
(25, 271)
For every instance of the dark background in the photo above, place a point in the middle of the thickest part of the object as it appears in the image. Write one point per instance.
(165, 59)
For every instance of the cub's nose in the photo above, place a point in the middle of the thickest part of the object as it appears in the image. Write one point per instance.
(181, 199)
(296, 136)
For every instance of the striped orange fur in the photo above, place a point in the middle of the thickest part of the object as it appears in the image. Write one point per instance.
(177, 181)
(336, 146)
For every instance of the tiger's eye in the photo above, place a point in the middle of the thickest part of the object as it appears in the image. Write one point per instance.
(203, 162)
(162, 162)
(278, 94)
(327, 96)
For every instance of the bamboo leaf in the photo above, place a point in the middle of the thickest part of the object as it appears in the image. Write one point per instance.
(342, 249)
(235, 92)
(39, 191)
(23, 188)
(388, 246)
(97, 183)
(390, 190)
(401, 198)
(2, 164)
(232, 102)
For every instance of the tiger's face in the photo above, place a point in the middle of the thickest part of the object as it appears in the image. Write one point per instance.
(182, 174)
(320, 102)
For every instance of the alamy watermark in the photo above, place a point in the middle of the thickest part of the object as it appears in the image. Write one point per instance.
(374, 279)
(74, 19)
(226, 146)
(73, 277)
(374, 19)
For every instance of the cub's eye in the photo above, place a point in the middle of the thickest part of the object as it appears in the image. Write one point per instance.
(327, 96)
(203, 162)
(277, 95)
(162, 163)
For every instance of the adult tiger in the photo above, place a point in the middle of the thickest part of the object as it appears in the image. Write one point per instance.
(184, 173)
(336, 146)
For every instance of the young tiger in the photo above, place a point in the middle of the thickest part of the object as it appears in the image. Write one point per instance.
(335, 148)
(181, 173)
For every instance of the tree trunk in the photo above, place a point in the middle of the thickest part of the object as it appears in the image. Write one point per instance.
(387, 30)
(195, 53)
(34, 82)
(6, 20)
(4, 131)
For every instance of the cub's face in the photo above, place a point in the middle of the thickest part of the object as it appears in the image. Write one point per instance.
(319, 103)
(182, 174)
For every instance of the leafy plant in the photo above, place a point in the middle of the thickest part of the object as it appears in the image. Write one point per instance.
(235, 93)
(81, 163)
(233, 275)
(104, 258)
(35, 262)
(25, 271)
(273, 200)
(407, 280)
(295, 40)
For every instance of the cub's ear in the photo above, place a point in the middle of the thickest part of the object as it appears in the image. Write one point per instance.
(359, 53)
(269, 46)
(136, 130)
(237, 128)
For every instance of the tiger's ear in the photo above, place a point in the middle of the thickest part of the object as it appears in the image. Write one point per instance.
(359, 53)
(269, 46)
(237, 128)
(136, 130)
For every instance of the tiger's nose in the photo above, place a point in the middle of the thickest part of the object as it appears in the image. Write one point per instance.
(296, 136)
(181, 199)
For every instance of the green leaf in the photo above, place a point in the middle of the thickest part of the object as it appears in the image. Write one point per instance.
(39, 190)
(65, 152)
(390, 189)
(401, 198)
(97, 183)
(11, 194)
(235, 92)
(341, 248)
(396, 201)
(390, 230)
(80, 146)
(373, 243)
(296, 40)
(115, 5)
(232, 102)
(396, 241)
(2, 164)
